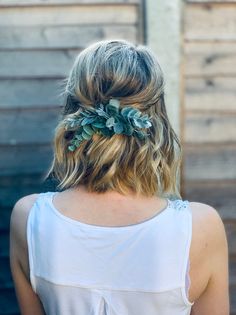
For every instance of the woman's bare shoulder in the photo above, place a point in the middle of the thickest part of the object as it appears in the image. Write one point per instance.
(19, 217)
(208, 255)
(208, 226)
(206, 218)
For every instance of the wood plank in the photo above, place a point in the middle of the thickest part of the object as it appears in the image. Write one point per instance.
(210, 1)
(9, 305)
(68, 15)
(14, 187)
(62, 36)
(63, 2)
(5, 274)
(30, 159)
(4, 244)
(31, 126)
(213, 93)
(231, 236)
(216, 193)
(36, 64)
(210, 59)
(210, 21)
(31, 93)
(209, 127)
(210, 162)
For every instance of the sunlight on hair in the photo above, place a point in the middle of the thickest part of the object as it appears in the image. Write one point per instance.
(131, 74)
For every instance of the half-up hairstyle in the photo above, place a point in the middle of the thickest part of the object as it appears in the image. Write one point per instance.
(131, 74)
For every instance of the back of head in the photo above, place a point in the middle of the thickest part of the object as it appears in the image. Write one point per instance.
(117, 69)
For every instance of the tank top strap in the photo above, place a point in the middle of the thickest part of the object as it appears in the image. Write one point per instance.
(184, 207)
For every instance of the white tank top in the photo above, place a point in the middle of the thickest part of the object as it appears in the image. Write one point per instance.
(79, 268)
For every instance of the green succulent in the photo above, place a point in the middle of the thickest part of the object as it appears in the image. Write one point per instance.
(107, 120)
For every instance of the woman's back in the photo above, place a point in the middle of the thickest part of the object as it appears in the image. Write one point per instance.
(115, 140)
(132, 269)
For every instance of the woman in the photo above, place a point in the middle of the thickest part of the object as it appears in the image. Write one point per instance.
(117, 238)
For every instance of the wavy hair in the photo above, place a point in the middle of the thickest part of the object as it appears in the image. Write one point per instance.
(131, 74)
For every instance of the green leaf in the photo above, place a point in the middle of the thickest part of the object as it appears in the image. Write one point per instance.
(95, 129)
(110, 122)
(71, 148)
(141, 135)
(88, 120)
(138, 114)
(118, 128)
(132, 113)
(78, 137)
(115, 103)
(138, 122)
(107, 132)
(147, 124)
(86, 136)
(128, 129)
(125, 111)
(88, 130)
(99, 124)
(101, 112)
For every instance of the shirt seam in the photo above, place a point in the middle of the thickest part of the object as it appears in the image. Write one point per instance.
(91, 287)
(186, 257)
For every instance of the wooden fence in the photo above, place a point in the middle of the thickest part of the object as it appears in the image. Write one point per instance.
(38, 44)
(209, 123)
(39, 40)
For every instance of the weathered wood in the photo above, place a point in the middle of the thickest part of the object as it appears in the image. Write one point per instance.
(218, 94)
(43, 64)
(28, 126)
(231, 235)
(31, 93)
(232, 272)
(4, 244)
(62, 36)
(30, 159)
(17, 186)
(8, 302)
(5, 214)
(211, 21)
(210, 1)
(5, 274)
(211, 162)
(62, 2)
(209, 127)
(68, 15)
(164, 38)
(210, 59)
(218, 194)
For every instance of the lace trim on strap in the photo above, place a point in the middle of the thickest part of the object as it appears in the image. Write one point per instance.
(180, 204)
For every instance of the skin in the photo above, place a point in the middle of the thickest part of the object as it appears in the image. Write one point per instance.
(208, 252)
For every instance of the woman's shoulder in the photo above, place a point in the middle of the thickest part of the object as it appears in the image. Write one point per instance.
(208, 252)
(208, 226)
(22, 207)
(208, 235)
(19, 216)
(206, 218)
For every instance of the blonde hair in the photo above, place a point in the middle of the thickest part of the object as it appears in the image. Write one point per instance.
(131, 74)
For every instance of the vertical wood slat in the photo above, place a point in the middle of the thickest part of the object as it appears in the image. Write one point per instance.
(210, 100)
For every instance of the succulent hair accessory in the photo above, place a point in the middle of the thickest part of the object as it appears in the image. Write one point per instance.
(107, 120)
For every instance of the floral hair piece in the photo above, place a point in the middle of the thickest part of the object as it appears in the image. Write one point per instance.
(107, 120)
